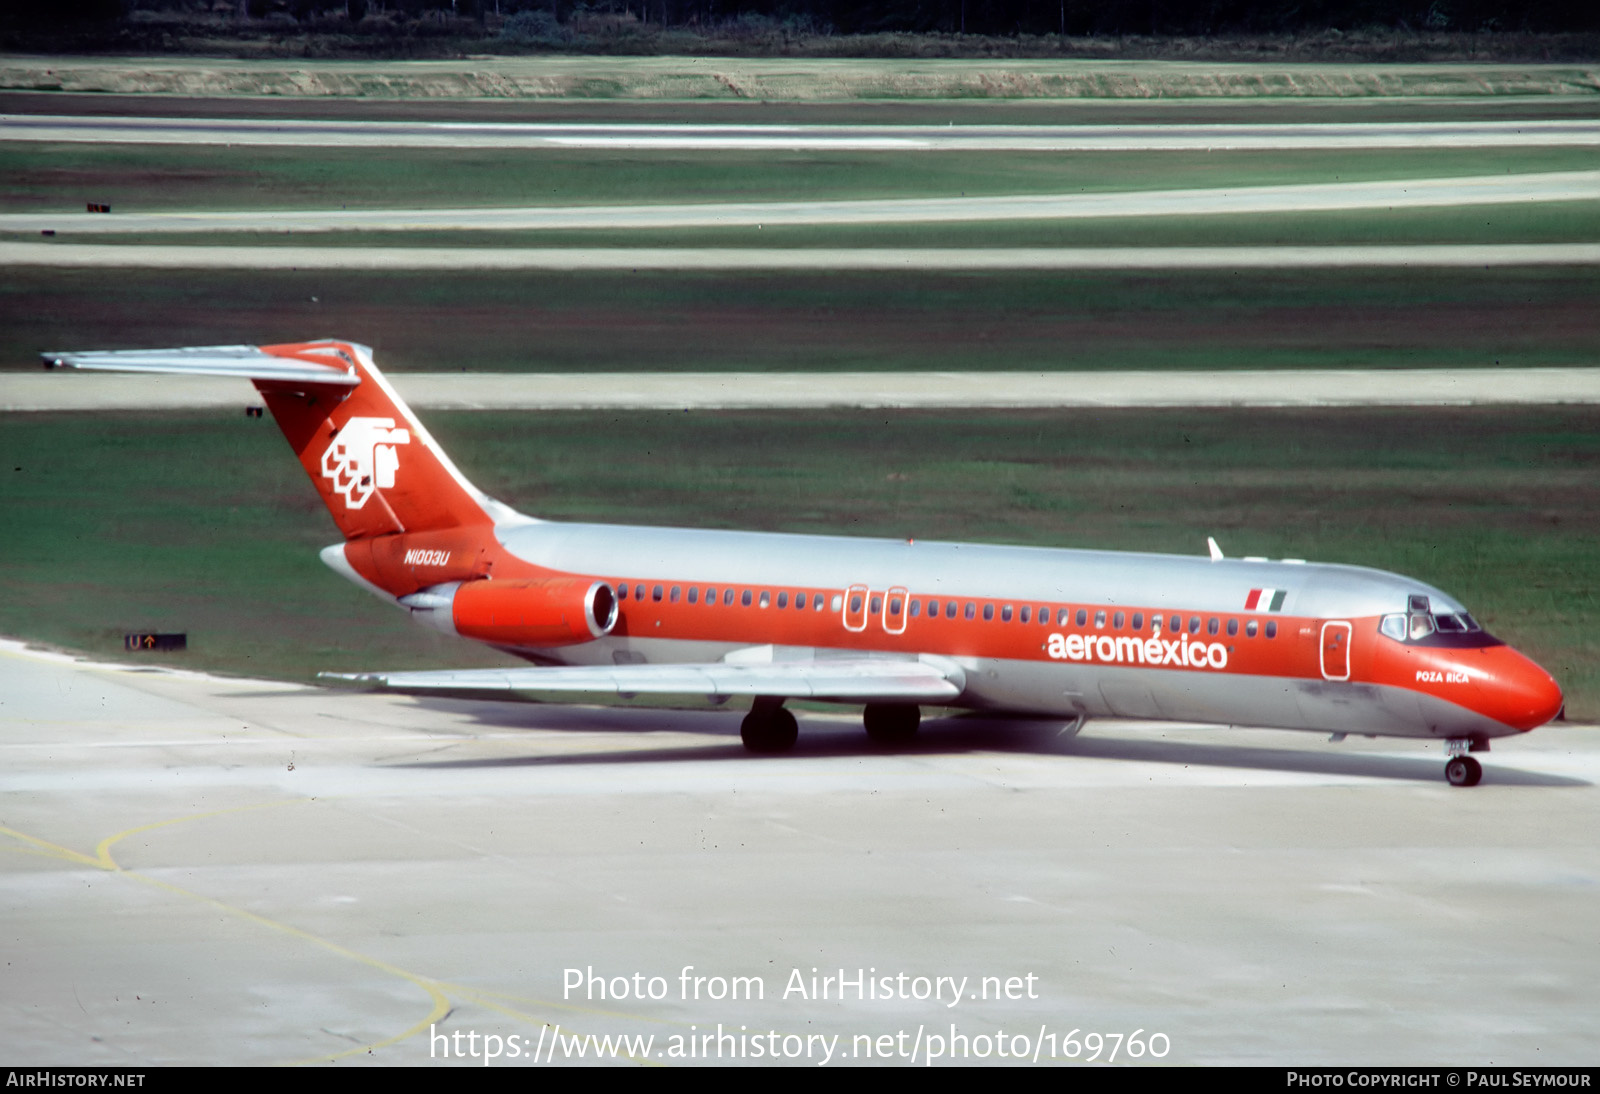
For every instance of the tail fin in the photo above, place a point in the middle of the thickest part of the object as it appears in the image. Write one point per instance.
(376, 467)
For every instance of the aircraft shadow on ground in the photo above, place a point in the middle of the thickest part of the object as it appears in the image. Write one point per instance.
(959, 734)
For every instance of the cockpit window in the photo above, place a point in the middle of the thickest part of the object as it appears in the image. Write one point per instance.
(1435, 629)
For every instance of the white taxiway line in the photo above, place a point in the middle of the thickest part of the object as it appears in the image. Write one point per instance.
(139, 256)
(1298, 198)
(37, 391)
(889, 138)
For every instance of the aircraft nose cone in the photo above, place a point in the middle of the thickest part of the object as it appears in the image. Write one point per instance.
(1519, 693)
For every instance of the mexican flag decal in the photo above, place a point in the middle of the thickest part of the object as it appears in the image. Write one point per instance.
(1265, 600)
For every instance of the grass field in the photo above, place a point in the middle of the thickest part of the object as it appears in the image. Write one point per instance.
(531, 321)
(146, 178)
(202, 523)
(1541, 222)
(1481, 104)
(603, 322)
(699, 70)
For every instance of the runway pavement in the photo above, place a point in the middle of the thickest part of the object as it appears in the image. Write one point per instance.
(198, 870)
(42, 391)
(1244, 200)
(296, 132)
(884, 259)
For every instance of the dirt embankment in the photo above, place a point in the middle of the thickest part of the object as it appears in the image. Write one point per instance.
(684, 78)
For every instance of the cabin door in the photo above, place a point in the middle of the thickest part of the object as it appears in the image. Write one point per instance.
(855, 608)
(1336, 650)
(896, 608)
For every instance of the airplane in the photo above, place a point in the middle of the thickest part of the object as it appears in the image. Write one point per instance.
(889, 625)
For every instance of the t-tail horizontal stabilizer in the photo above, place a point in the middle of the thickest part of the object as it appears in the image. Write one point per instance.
(243, 362)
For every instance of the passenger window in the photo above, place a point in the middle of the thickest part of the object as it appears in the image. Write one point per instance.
(727, 598)
(988, 612)
(877, 605)
(838, 601)
(916, 608)
(1044, 616)
(1194, 624)
(816, 603)
(1138, 621)
(1250, 629)
(1100, 619)
(655, 593)
(1116, 621)
(894, 605)
(744, 598)
(855, 604)
(1025, 616)
(1175, 624)
(1272, 629)
(783, 600)
(711, 596)
(694, 595)
(1211, 625)
(1083, 617)
(1233, 627)
(676, 592)
(972, 609)
(622, 591)
(799, 602)
(766, 598)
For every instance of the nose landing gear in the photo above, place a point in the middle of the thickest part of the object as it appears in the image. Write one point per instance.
(1461, 769)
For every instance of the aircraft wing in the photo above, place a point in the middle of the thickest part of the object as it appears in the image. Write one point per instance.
(858, 679)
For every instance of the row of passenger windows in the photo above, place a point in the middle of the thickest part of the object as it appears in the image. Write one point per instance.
(1062, 617)
(746, 597)
(1043, 615)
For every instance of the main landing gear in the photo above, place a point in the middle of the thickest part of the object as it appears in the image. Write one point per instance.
(891, 724)
(1461, 769)
(769, 728)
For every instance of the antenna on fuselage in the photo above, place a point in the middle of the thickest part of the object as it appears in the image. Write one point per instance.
(1216, 552)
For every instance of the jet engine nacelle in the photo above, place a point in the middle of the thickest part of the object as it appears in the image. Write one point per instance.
(557, 611)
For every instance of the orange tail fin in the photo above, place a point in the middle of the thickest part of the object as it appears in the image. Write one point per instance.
(377, 469)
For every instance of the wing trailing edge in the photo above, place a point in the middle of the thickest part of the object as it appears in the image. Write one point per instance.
(835, 679)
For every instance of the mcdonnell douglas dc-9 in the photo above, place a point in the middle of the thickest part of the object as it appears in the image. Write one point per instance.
(889, 625)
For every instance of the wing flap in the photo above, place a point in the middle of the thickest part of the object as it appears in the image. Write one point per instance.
(841, 679)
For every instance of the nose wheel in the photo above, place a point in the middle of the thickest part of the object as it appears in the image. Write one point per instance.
(1463, 771)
